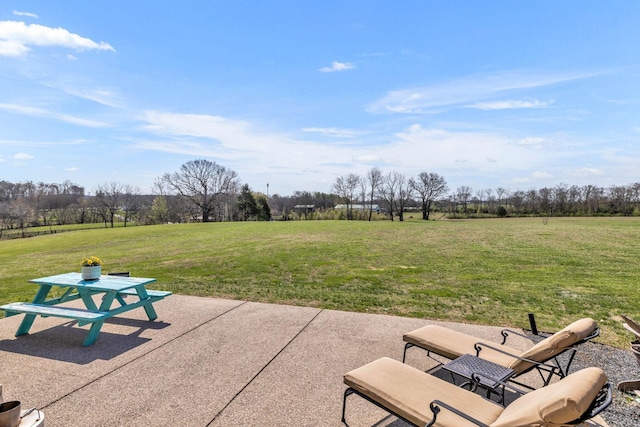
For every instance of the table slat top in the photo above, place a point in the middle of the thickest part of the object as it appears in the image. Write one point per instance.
(467, 365)
(104, 283)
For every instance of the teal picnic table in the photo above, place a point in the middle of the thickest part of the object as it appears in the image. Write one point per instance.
(110, 288)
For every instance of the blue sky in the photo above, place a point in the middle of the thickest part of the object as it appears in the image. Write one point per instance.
(294, 93)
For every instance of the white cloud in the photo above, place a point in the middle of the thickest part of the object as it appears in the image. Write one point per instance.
(12, 48)
(266, 156)
(16, 37)
(104, 96)
(216, 136)
(45, 144)
(585, 172)
(249, 150)
(71, 169)
(532, 141)
(41, 112)
(367, 158)
(338, 66)
(507, 105)
(28, 14)
(444, 149)
(22, 156)
(466, 91)
(335, 132)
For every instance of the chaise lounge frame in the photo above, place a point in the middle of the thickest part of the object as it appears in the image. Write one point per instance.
(546, 370)
(601, 401)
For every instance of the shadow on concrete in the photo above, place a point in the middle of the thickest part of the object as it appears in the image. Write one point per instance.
(64, 342)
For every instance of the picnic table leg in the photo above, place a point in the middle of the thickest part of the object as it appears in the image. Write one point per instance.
(27, 322)
(148, 306)
(96, 326)
(89, 303)
(93, 333)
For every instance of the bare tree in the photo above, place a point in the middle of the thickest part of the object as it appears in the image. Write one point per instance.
(374, 178)
(620, 198)
(517, 200)
(362, 185)
(390, 191)
(131, 202)
(429, 187)
(404, 196)
(479, 200)
(205, 184)
(21, 211)
(490, 199)
(503, 194)
(463, 194)
(346, 186)
(107, 199)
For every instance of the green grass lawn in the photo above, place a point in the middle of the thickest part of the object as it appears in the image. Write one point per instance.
(479, 271)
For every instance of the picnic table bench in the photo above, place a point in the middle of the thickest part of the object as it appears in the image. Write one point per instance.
(111, 288)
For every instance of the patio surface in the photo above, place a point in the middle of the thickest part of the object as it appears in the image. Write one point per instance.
(206, 362)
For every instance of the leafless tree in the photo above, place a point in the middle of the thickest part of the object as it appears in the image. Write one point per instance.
(374, 178)
(428, 187)
(363, 185)
(404, 195)
(463, 194)
(517, 200)
(560, 196)
(620, 198)
(346, 187)
(503, 194)
(108, 198)
(131, 202)
(21, 211)
(479, 200)
(205, 184)
(490, 199)
(390, 191)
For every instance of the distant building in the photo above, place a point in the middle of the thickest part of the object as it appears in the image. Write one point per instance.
(355, 207)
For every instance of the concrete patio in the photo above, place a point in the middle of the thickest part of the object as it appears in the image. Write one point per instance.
(205, 362)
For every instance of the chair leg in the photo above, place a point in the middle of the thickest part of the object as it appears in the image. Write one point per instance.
(406, 347)
(347, 392)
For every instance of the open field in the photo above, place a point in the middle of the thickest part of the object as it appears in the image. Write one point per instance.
(474, 271)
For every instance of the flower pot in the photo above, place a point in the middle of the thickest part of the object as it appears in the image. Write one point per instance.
(91, 273)
(10, 414)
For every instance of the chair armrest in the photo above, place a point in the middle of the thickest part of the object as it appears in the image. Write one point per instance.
(600, 403)
(437, 405)
(594, 334)
(475, 378)
(537, 338)
(506, 332)
(479, 345)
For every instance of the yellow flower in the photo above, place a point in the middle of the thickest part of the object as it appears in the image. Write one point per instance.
(92, 261)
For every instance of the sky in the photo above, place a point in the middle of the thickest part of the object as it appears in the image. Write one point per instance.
(294, 94)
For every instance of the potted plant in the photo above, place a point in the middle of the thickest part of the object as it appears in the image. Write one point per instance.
(91, 268)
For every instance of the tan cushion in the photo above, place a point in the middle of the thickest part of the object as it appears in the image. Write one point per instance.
(555, 344)
(453, 344)
(556, 404)
(408, 392)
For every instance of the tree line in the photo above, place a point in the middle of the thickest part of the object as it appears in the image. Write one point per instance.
(429, 191)
(202, 190)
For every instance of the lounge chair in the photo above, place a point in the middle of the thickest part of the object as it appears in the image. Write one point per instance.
(543, 356)
(422, 399)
